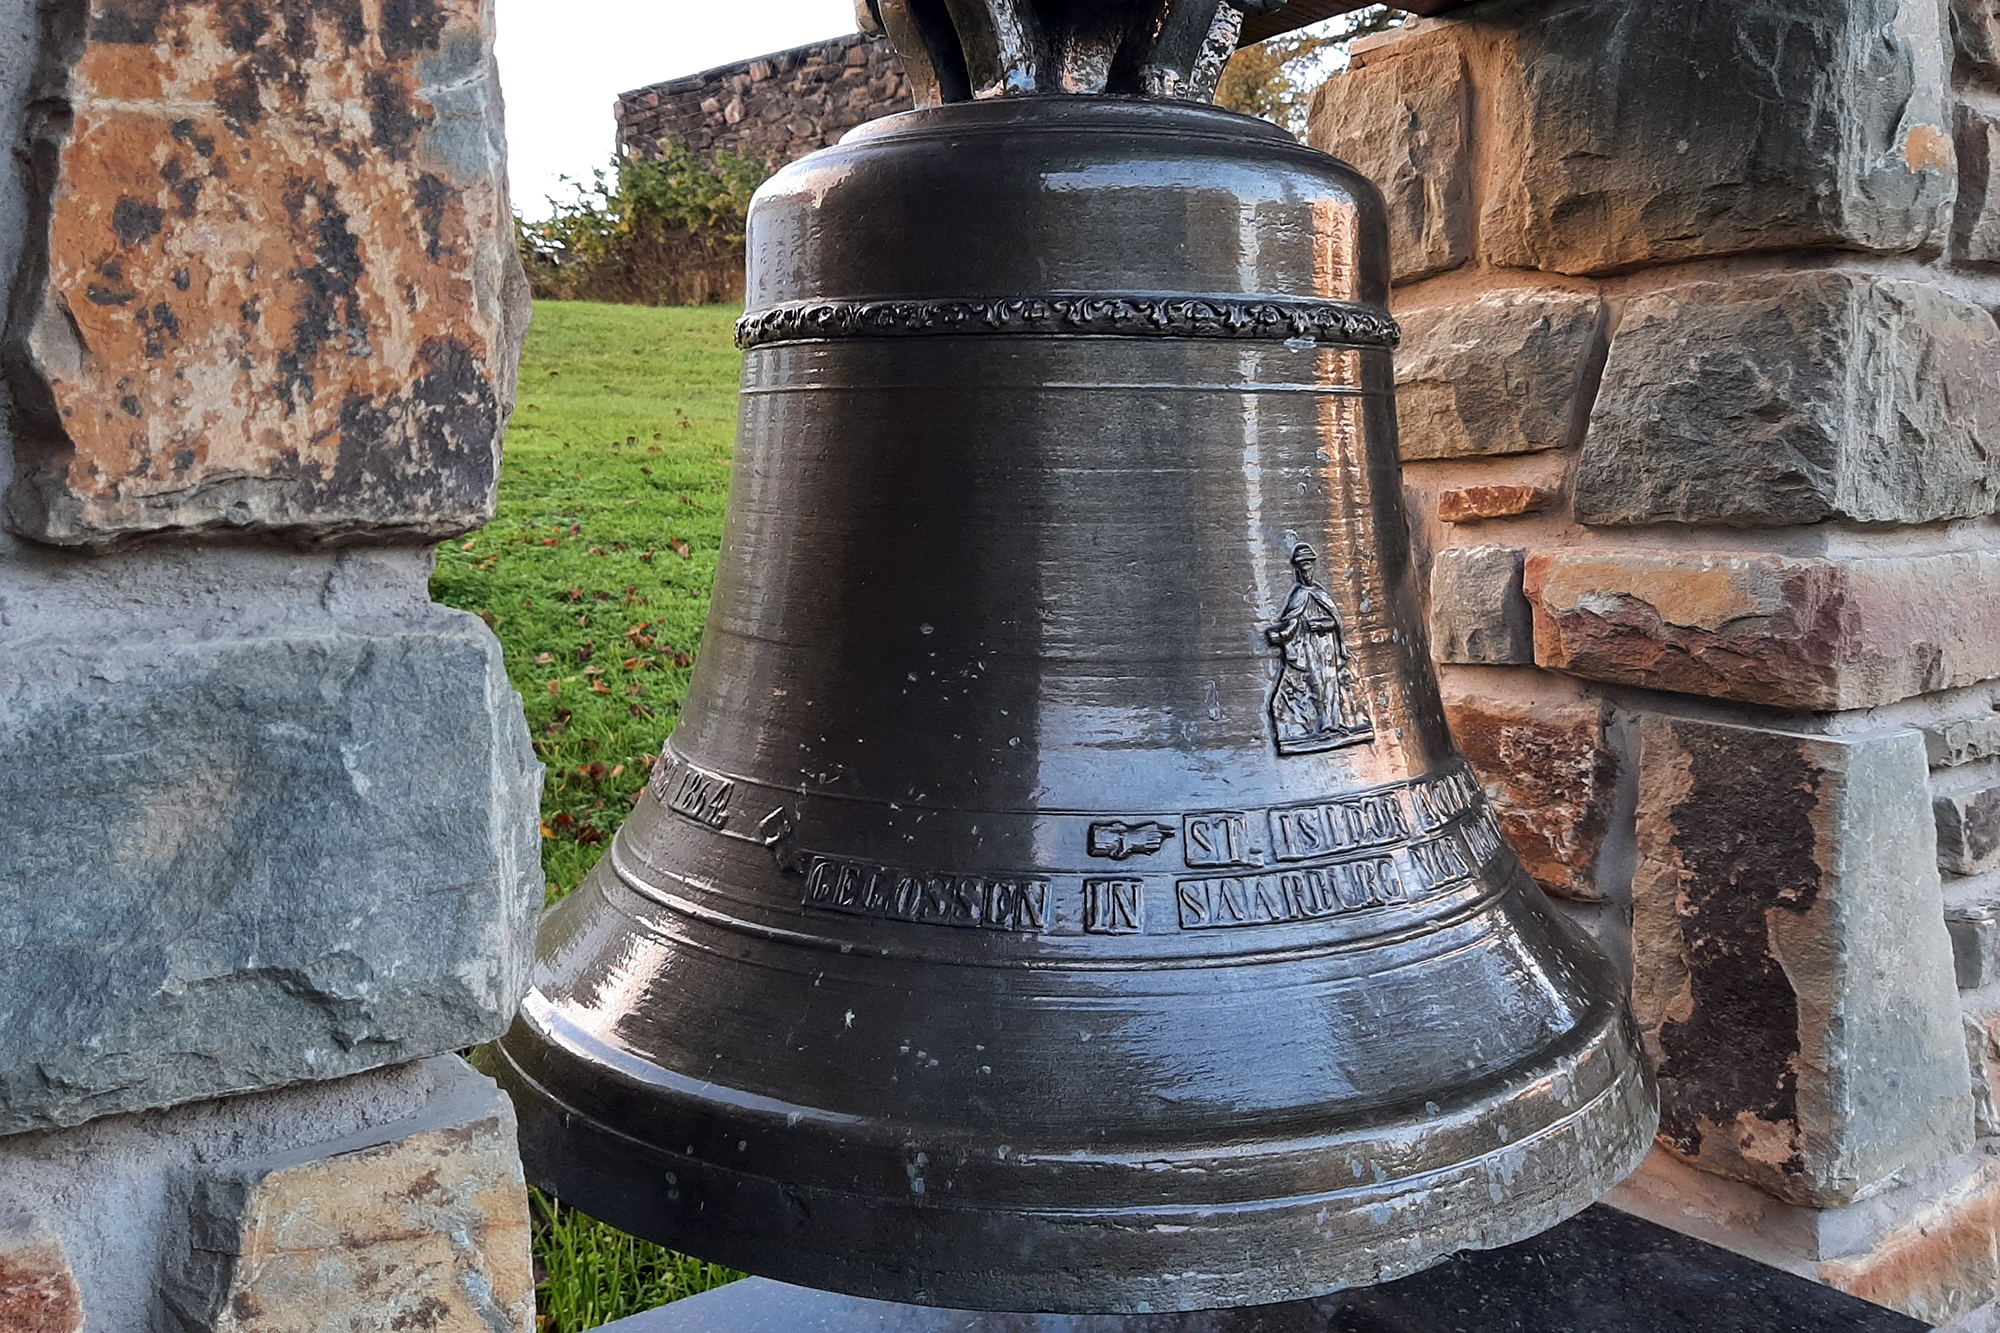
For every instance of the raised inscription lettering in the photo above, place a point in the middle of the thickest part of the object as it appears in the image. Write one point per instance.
(1441, 800)
(1289, 895)
(1219, 840)
(702, 796)
(1438, 862)
(1482, 835)
(1114, 906)
(1306, 832)
(973, 901)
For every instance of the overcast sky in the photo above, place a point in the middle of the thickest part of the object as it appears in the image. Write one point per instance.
(564, 61)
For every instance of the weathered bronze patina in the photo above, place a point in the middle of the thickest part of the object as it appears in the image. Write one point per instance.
(1062, 892)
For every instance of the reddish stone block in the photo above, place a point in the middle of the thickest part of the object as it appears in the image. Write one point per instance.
(1552, 775)
(1473, 503)
(282, 295)
(1795, 633)
(38, 1292)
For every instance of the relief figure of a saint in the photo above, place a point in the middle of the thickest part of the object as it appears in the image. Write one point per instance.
(1315, 706)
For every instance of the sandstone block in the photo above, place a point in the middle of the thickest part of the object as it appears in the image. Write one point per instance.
(1402, 117)
(1942, 1264)
(1478, 612)
(1954, 743)
(417, 1224)
(1795, 398)
(1968, 831)
(38, 1292)
(1915, 1247)
(1552, 775)
(1501, 375)
(1975, 26)
(1792, 977)
(1471, 504)
(1714, 130)
(102, 1189)
(257, 860)
(1795, 633)
(276, 286)
(1976, 222)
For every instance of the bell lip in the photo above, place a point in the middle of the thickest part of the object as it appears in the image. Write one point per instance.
(1283, 1248)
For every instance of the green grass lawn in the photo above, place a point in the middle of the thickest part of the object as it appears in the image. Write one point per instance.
(596, 577)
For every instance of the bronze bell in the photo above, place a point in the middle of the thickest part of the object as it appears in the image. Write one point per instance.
(1062, 892)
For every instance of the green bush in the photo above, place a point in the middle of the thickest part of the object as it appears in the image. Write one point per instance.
(648, 231)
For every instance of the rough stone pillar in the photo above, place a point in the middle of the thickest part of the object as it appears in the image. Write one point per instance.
(271, 813)
(1700, 401)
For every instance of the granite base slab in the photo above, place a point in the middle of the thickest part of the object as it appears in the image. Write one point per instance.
(1601, 1272)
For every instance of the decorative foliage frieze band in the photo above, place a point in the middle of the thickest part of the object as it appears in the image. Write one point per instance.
(1269, 319)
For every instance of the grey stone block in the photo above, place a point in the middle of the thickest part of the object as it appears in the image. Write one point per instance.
(245, 856)
(1504, 374)
(1795, 398)
(1402, 117)
(1479, 614)
(419, 1223)
(113, 1192)
(1972, 916)
(1792, 976)
(1975, 27)
(1630, 132)
(1968, 831)
(1976, 224)
(1981, 1009)
(1951, 744)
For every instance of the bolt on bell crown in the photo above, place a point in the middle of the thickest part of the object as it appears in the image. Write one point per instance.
(1062, 892)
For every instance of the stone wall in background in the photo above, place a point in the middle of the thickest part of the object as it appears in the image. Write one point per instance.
(272, 850)
(1700, 402)
(776, 108)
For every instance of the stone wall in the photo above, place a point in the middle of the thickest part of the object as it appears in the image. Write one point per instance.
(1700, 402)
(272, 851)
(776, 108)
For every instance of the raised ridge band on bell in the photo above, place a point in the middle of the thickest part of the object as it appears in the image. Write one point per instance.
(1252, 318)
